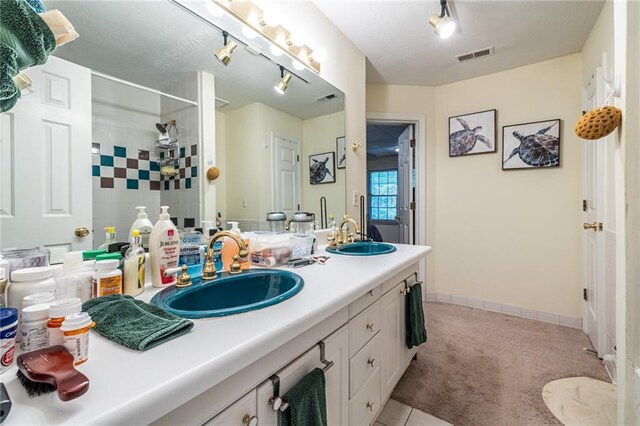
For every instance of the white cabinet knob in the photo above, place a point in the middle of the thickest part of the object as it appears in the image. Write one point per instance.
(250, 420)
(370, 405)
(371, 326)
(371, 362)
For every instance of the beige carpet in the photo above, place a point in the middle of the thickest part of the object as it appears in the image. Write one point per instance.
(581, 401)
(486, 368)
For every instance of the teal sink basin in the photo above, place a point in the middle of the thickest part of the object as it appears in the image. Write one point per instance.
(230, 294)
(364, 248)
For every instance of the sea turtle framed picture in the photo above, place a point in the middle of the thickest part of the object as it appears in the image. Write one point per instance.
(322, 168)
(341, 150)
(473, 133)
(531, 145)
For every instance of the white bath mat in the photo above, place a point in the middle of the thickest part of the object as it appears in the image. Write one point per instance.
(581, 401)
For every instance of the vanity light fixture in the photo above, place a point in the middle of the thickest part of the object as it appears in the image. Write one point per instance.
(443, 25)
(224, 53)
(283, 83)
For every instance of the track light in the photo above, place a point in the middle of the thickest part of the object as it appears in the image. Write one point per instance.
(224, 53)
(443, 24)
(283, 83)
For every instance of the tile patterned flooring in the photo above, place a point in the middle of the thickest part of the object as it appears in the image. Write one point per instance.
(398, 414)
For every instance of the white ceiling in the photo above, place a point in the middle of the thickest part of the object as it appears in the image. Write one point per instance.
(402, 48)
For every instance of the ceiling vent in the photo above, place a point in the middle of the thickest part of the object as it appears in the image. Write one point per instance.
(327, 97)
(488, 51)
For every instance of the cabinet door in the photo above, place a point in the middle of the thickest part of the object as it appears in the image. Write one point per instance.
(336, 380)
(392, 333)
(240, 413)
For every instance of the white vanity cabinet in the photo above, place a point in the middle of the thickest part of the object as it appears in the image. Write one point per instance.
(243, 412)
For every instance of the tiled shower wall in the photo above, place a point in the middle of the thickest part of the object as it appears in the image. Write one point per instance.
(181, 193)
(125, 174)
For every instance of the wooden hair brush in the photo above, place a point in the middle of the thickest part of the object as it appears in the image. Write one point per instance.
(45, 370)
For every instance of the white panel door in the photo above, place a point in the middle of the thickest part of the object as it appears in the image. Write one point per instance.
(45, 153)
(286, 166)
(594, 210)
(393, 337)
(405, 168)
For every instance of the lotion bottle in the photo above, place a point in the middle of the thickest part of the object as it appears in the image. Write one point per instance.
(134, 273)
(164, 249)
(144, 225)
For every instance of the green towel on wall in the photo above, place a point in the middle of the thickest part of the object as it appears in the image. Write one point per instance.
(134, 323)
(25, 41)
(416, 333)
(307, 402)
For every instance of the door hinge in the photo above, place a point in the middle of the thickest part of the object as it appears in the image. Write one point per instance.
(298, 158)
(412, 205)
(585, 205)
(585, 294)
(412, 143)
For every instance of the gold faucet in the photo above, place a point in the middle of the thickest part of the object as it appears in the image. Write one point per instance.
(209, 270)
(339, 238)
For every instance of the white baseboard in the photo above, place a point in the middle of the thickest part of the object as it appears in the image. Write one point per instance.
(518, 311)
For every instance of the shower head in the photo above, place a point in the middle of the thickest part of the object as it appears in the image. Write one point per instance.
(162, 128)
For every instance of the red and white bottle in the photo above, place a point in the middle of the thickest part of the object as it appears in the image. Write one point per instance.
(164, 249)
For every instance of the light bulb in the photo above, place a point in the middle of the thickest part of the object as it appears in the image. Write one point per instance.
(297, 39)
(275, 50)
(319, 54)
(448, 28)
(303, 56)
(271, 18)
(297, 65)
(249, 32)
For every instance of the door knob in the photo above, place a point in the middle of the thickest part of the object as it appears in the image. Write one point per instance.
(596, 226)
(397, 218)
(82, 232)
(250, 420)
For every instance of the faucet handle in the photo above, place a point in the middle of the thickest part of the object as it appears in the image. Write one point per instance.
(184, 280)
(234, 268)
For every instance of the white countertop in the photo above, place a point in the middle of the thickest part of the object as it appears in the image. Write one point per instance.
(132, 387)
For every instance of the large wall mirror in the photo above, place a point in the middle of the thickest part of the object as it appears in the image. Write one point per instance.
(123, 117)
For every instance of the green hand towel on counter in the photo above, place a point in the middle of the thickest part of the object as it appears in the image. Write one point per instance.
(307, 402)
(416, 333)
(25, 41)
(134, 323)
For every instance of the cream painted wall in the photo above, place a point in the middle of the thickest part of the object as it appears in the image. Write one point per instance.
(508, 237)
(248, 157)
(319, 135)
(512, 236)
(220, 163)
(345, 68)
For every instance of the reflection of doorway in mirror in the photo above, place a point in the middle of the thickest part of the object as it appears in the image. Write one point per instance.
(286, 167)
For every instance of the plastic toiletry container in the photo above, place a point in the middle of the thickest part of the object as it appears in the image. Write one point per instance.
(4, 267)
(110, 238)
(74, 278)
(25, 282)
(164, 249)
(107, 278)
(191, 251)
(230, 249)
(57, 312)
(34, 327)
(8, 332)
(276, 221)
(75, 329)
(134, 266)
(3, 286)
(143, 225)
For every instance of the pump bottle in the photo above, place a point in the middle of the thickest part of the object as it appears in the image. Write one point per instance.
(164, 249)
(143, 225)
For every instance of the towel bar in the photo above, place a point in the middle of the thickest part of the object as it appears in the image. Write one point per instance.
(276, 402)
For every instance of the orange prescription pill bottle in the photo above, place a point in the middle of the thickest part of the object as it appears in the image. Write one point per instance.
(57, 313)
(75, 329)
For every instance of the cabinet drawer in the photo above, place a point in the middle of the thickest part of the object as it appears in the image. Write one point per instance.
(364, 406)
(363, 327)
(240, 413)
(365, 300)
(364, 363)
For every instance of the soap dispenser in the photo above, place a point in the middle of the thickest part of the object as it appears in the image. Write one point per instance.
(143, 225)
(164, 249)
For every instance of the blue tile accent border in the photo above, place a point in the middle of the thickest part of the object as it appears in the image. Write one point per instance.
(95, 171)
(106, 160)
(132, 184)
(120, 151)
(143, 174)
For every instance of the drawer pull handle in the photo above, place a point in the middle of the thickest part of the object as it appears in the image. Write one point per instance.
(370, 292)
(371, 362)
(371, 326)
(370, 405)
(250, 420)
